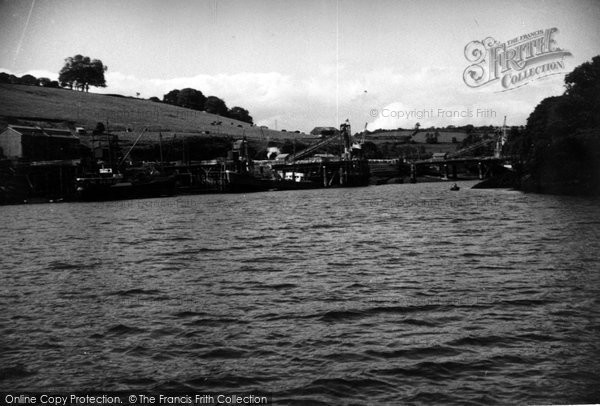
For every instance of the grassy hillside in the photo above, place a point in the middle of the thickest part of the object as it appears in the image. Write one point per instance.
(60, 107)
(128, 116)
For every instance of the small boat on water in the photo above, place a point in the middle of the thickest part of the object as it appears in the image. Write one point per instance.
(454, 187)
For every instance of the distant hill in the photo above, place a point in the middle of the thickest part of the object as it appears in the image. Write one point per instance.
(61, 107)
(445, 135)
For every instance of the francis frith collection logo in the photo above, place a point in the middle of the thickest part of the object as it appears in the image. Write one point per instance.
(516, 62)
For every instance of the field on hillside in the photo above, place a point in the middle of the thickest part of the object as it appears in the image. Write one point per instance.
(444, 136)
(128, 117)
(394, 137)
(60, 107)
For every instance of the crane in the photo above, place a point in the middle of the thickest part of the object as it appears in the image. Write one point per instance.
(344, 133)
(312, 148)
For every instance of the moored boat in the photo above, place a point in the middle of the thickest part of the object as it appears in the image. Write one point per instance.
(107, 185)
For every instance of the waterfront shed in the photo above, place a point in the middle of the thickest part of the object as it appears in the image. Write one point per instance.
(38, 144)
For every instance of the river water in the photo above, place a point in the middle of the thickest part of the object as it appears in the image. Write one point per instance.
(389, 294)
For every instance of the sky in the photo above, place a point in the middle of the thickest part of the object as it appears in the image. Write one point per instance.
(299, 64)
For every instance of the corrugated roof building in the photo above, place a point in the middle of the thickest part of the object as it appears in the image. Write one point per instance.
(38, 144)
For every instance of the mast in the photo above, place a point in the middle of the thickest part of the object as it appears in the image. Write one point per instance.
(133, 146)
(160, 149)
(345, 133)
(501, 140)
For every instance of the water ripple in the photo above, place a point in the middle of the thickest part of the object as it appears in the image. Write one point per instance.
(391, 295)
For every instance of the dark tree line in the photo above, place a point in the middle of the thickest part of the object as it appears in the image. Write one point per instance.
(194, 99)
(466, 128)
(560, 147)
(79, 72)
(28, 80)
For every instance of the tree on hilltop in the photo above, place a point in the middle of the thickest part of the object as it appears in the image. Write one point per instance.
(43, 82)
(28, 80)
(171, 97)
(191, 98)
(215, 105)
(81, 72)
(194, 99)
(240, 114)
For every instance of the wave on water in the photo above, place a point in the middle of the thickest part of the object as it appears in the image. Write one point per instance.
(378, 295)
